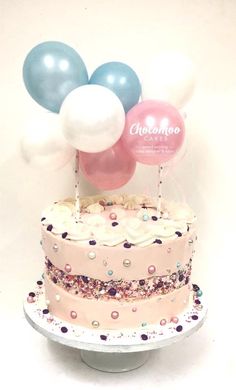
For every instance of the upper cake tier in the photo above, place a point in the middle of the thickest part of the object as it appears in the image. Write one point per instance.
(146, 242)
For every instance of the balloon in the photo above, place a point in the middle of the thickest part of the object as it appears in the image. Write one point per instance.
(51, 70)
(92, 118)
(154, 132)
(121, 79)
(169, 77)
(108, 170)
(43, 144)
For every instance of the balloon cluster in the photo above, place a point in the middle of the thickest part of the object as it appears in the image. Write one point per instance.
(110, 119)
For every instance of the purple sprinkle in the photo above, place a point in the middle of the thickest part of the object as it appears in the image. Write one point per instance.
(43, 219)
(179, 328)
(85, 279)
(49, 264)
(64, 329)
(49, 228)
(45, 311)
(92, 242)
(157, 241)
(103, 337)
(187, 280)
(127, 245)
(179, 234)
(160, 284)
(64, 235)
(144, 337)
(31, 294)
(142, 282)
(197, 301)
(154, 218)
(195, 287)
(112, 291)
(188, 229)
(195, 317)
(54, 279)
(181, 277)
(115, 223)
(39, 282)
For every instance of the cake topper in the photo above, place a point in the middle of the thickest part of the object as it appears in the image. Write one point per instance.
(100, 120)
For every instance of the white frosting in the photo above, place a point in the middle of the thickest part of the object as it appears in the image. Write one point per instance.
(131, 227)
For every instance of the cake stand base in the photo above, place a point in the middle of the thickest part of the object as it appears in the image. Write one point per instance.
(114, 362)
(112, 350)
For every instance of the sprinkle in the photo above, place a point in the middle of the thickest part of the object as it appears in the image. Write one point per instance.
(112, 216)
(103, 337)
(197, 302)
(194, 317)
(92, 242)
(144, 337)
(49, 228)
(95, 324)
(142, 282)
(163, 322)
(43, 219)
(127, 245)
(145, 217)
(154, 218)
(45, 311)
(64, 235)
(199, 293)
(85, 279)
(114, 315)
(39, 282)
(112, 291)
(110, 272)
(179, 234)
(54, 279)
(91, 255)
(31, 294)
(126, 263)
(64, 329)
(115, 223)
(195, 287)
(157, 241)
(181, 277)
(179, 328)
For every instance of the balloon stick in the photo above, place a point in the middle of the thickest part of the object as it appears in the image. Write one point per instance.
(77, 202)
(159, 188)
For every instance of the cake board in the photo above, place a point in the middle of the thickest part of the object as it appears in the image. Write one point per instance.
(112, 350)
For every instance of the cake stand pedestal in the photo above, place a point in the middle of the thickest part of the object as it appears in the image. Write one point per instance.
(112, 350)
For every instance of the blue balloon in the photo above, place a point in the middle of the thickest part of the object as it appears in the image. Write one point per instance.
(51, 70)
(121, 79)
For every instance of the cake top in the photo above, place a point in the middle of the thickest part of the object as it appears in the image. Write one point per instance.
(118, 219)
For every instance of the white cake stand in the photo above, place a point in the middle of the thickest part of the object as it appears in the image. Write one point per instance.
(112, 350)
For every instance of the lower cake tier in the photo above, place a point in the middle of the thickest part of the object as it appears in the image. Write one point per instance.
(115, 314)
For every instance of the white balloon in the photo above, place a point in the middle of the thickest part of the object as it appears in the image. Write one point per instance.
(92, 118)
(169, 77)
(43, 144)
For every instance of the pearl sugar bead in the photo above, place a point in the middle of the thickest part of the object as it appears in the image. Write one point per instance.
(126, 263)
(91, 255)
(114, 315)
(68, 268)
(112, 216)
(73, 314)
(95, 324)
(151, 269)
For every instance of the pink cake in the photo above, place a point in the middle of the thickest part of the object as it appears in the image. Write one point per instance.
(122, 265)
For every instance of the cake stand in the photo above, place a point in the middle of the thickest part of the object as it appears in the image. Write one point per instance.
(113, 350)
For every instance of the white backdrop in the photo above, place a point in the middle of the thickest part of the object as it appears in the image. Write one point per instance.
(132, 32)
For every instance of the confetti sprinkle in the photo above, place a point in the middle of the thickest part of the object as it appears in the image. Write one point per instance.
(64, 329)
(144, 337)
(179, 328)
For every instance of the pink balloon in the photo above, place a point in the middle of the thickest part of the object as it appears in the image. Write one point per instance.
(154, 132)
(108, 170)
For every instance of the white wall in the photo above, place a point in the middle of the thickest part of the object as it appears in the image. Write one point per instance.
(132, 32)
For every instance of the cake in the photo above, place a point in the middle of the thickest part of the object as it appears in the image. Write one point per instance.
(123, 264)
